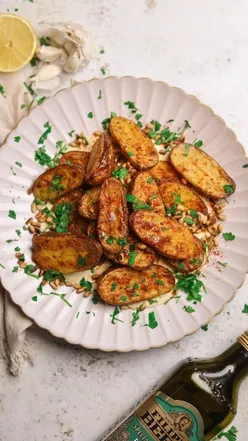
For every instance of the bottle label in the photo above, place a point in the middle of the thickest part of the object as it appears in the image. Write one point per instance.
(161, 418)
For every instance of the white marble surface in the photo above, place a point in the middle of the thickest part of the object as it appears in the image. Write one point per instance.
(73, 394)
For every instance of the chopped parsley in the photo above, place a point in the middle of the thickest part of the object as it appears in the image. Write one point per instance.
(122, 241)
(90, 115)
(2, 91)
(14, 173)
(189, 309)
(245, 310)
(180, 265)
(17, 249)
(95, 297)
(131, 258)
(136, 286)
(193, 213)
(228, 189)
(245, 166)
(159, 282)
(171, 210)
(44, 41)
(228, 236)
(86, 284)
(110, 240)
(165, 136)
(120, 173)
(40, 101)
(103, 71)
(188, 221)
(71, 133)
(187, 147)
(19, 164)
(130, 105)
(130, 154)
(138, 116)
(62, 296)
(192, 286)
(53, 274)
(100, 95)
(157, 125)
(56, 184)
(102, 51)
(62, 216)
(81, 261)
(135, 316)
(12, 214)
(2, 266)
(186, 125)
(34, 298)
(42, 157)
(15, 269)
(204, 328)
(230, 435)
(114, 316)
(195, 261)
(29, 269)
(152, 321)
(149, 181)
(30, 89)
(123, 298)
(198, 144)
(17, 138)
(138, 205)
(153, 197)
(113, 286)
(113, 114)
(224, 264)
(44, 136)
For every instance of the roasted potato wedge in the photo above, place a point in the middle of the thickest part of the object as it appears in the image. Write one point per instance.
(65, 252)
(112, 225)
(101, 161)
(202, 171)
(89, 204)
(57, 181)
(196, 261)
(75, 158)
(145, 190)
(124, 286)
(163, 172)
(134, 254)
(164, 234)
(78, 226)
(135, 145)
(175, 193)
(73, 198)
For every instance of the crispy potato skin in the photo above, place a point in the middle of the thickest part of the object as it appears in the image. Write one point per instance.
(101, 161)
(144, 255)
(113, 215)
(145, 189)
(190, 199)
(153, 282)
(75, 158)
(62, 252)
(68, 178)
(78, 226)
(132, 139)
(202, 171)
(72, 197)
(163, 172)
(89, 204)
(164, 234)
(197, 260)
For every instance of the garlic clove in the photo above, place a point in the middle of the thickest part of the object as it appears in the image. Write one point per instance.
(47, 72)
(48, 53)
(48, 84)
(62, 59)
(72, 64)
(70, 47)
(59, 37)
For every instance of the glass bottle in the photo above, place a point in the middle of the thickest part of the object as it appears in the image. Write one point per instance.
(196, 402)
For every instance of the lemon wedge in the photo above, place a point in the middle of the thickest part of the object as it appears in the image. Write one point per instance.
(18, 42)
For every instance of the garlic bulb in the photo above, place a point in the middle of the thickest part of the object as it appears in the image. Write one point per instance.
(72, 64)
(48, 53)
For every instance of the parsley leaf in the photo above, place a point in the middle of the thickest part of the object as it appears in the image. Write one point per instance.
(53, 274)
(152, 321)
(44, 136)
(71, 133)
(19, 164)
(228, 236)
(131, 258)
(2, 91)
(230, 435)
(188, 221)
(12, 214)
(245, 310)
(198, 144)
(113, 286)
(44, 41)
(130, 105)
(204, 328)
(103, 71)
(2, 266)
(114, 316)
(56, 184)
(86, 284)
(81, 261)
(130, 154)
(40, 101)
(62, 216)
(135, 316)
(42, 157)
(17, 138)
(193, 213)
(228, 189)
(120, 173)
(189, 309)
(245, 166)
(90, 115)
(100, 95)
(192, 286)
(29, 269)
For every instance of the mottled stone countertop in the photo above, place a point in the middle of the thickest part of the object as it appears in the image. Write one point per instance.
(201, 46)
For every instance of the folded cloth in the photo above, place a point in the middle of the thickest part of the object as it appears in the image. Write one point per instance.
(14, 346)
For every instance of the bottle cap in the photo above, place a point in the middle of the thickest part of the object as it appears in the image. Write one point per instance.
(243, 340)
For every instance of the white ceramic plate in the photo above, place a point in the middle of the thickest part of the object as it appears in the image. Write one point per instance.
(87, 323)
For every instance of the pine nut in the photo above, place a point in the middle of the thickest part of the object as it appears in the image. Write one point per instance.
(53, 286)
(31, 229)
(180, 207)
(78, 291)
(162, 152)
(87, 294)
(22, 264)
(44, 282)
(220, 228)
(216, 243)
(97, 133)
(41, 272)
(57, 282)
(33, 207)
(77, 286)
(95, 276)
(221, 210)
(18, 255)
(149, 126)
(181, 221)
(222, 217)
(184, 181)
(68, 284)
(29, 221)
(143, 306)
(141, 246)
(49, 219)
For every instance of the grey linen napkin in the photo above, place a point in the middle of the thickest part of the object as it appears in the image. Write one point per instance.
(14, 346)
